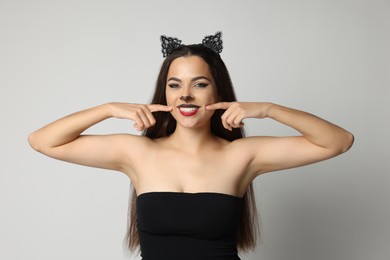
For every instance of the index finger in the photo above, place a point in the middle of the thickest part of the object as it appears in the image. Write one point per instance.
(220, 105)
(158, 107)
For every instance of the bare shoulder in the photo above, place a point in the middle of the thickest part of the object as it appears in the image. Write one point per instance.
(258, 152)
(134, 146)
(131, 150)
(247, 148)
(134, 139)
(268, 153)
(247, 145)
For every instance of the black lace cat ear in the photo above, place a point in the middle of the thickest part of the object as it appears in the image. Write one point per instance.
(169, 44)
(214, 42)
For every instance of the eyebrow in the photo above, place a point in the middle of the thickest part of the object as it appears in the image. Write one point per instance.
(192, 80)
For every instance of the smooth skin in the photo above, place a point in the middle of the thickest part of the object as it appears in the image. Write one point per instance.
(192, 159)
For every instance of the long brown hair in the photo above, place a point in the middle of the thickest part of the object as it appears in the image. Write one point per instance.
(166, 124)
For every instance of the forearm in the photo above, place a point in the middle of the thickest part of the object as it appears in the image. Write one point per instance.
(318, 131)
(67, 129)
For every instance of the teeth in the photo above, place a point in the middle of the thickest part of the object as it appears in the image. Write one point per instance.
(188, 109)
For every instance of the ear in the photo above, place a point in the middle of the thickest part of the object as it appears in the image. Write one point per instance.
(214, 42)
(169, 44)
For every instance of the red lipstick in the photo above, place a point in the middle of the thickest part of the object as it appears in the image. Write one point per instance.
(188, 109)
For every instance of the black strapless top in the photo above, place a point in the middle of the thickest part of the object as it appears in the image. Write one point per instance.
(188, 226)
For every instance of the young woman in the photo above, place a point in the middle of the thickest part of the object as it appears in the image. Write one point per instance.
(192, 169)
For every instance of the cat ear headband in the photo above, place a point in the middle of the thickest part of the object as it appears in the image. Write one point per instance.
(213, 42)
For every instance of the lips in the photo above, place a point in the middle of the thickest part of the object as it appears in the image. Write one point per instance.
(188, 109)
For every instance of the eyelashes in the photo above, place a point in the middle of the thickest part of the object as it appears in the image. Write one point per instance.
(198, 85)
(201, 85)
(173, 85)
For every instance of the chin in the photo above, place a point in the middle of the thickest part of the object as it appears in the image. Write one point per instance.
(186, 124)
(199, 121)
(194, 123)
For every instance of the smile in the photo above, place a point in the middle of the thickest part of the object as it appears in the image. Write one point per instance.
(188, 109)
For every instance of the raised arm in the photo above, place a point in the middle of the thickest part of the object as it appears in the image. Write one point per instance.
(63, 138)
(319, 138)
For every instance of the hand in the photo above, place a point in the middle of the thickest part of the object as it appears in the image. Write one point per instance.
(139, 113)
(238, 111)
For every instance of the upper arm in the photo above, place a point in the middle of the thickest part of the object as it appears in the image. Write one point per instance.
(101, 151)
(268, 154)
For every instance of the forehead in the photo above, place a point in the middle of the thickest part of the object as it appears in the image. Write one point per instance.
(189, 66)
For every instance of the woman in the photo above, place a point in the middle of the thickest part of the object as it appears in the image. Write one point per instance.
(192, 169)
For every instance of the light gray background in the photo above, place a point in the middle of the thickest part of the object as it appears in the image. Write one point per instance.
(330, 58)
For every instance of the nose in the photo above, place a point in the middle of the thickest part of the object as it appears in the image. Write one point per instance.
(187, 98)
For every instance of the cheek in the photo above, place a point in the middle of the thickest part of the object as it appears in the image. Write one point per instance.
(213, 98)
(215, 94)
(169, 97)
(169, 101)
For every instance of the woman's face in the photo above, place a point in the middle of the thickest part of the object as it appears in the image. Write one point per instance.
(189, 89)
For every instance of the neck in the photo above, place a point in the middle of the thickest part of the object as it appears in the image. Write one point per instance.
(193, 139)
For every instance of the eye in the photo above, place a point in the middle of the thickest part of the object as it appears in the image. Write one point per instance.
(173, 85)
(201, 85)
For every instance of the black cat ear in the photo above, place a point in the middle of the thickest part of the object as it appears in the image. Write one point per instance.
(214, 42)
(169, 44)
